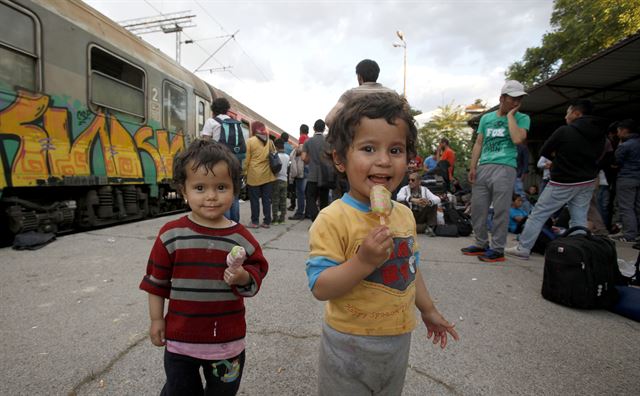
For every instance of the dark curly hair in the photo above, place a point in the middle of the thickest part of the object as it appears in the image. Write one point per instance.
(206, 153)
(389, 106)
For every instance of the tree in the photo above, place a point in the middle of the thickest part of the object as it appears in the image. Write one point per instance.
(580, 28)
(449, 122)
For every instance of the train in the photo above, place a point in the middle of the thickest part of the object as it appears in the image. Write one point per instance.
(91, 117)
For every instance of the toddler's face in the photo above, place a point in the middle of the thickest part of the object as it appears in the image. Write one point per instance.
(378, 155)
(209, 194)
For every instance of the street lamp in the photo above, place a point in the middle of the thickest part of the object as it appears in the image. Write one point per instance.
(403, 44)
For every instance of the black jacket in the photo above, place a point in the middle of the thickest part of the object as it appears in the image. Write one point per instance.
(574, 150)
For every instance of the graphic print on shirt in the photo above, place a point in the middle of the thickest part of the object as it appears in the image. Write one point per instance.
(495, 135)
(399, 271)
(231, 369)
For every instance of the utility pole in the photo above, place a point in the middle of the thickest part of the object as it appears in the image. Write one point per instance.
(173, 22)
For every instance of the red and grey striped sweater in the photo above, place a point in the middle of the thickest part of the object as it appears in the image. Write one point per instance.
(187, 266)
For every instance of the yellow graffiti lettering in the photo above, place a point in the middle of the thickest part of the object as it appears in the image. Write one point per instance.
(29, 164)
(124, 153)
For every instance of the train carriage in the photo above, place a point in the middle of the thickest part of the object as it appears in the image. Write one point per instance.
(91, 118)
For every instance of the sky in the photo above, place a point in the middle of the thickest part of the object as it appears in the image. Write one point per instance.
(291, 60)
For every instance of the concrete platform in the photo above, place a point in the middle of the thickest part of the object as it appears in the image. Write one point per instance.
(74, 322)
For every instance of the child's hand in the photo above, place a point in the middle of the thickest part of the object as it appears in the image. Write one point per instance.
(438, 327)
(156, 332)
(237, 276)
(376, 248)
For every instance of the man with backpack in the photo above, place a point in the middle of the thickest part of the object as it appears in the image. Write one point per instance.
(228, 132)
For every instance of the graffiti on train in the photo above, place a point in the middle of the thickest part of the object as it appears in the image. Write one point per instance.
(40, 143)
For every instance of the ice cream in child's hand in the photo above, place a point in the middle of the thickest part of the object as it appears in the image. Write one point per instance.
(236, 257)
(380, 199)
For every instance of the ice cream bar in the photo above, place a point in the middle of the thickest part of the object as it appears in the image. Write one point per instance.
(380, 199)
(236, 257)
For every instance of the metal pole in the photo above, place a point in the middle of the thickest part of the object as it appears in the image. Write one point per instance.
(404, 89)
(178, 43)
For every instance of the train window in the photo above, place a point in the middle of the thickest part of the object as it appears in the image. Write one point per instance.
(18, 48)
(174, 107)
(201, 115)
(116, 83)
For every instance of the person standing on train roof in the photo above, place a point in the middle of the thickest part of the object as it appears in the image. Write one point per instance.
(367, 72)
(190, 265)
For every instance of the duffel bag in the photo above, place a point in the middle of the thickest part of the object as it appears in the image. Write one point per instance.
(446, 230)
(580, 271)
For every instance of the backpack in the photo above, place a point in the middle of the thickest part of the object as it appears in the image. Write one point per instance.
(231, 136)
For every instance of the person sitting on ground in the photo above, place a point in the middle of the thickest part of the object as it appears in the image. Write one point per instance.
(422, 202)
(532, 194)
(517, 215)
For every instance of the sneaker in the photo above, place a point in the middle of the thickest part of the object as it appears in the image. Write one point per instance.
(252, 225)
(296, 216)
(473, 250)
(429, 232)
(491, 256)
(517, 252)
(265, 225)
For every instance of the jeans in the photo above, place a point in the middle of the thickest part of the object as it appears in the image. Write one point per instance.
(234, 211)
(518, 189)
(551, 200)
(629, 204)
(301, 183)
(255, 194)
(316, 196)
(603, 205)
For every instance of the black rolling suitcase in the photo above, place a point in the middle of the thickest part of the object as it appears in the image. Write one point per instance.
(580, 271)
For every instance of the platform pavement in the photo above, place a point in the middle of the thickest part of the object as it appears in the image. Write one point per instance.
(74, 322)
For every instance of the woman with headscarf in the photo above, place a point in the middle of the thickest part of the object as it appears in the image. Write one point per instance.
(259, 176)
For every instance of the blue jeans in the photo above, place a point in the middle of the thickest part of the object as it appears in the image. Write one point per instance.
(551, 200)
(256, 193)
(518, 189)
(603, 205)
(234, 211)
(300, 183)
(629, 204)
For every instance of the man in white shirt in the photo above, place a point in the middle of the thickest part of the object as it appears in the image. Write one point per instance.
(422, 202)
(211, 129)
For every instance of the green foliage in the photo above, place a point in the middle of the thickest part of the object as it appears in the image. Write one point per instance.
(450, 122)
(580, 28)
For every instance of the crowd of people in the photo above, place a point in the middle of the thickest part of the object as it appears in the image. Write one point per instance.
(363, 262)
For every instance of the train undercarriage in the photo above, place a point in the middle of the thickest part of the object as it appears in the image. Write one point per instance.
(64, 209)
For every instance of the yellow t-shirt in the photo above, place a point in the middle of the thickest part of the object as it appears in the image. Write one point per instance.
(384, 302)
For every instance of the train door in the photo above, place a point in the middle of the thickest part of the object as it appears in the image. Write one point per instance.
(203, 113)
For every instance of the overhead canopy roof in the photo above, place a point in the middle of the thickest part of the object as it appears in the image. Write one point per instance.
(610, 79)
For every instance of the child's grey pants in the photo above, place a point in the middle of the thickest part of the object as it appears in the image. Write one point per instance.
(362, 365)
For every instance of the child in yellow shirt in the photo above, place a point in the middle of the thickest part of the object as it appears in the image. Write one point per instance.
(369, 272)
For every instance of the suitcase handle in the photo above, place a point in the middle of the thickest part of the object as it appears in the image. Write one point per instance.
(577, 228)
